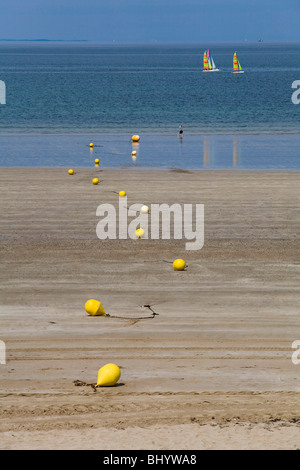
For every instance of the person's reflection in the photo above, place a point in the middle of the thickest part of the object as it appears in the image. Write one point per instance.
(180, 133)
(235, 156)
(205, 153)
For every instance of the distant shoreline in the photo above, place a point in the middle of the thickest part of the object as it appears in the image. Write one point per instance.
(153, 43)
(44, 40)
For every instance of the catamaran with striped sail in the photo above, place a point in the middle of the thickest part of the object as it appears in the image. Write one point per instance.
(236, 65)
(208, 63)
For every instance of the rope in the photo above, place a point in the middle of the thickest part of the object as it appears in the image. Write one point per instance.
(80, 383)
(136, 318)
(159, 259)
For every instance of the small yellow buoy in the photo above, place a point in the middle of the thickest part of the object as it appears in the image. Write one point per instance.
(91, 145)
(145, 210)
(71, 172)
(122, 193)
(108, 375)
(97, 160)
(94, 307)
(179, 265)
(135, 138)
(139, 233)
(95, 181)
(133, 153)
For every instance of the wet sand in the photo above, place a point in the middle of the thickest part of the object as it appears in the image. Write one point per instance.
(211, 370)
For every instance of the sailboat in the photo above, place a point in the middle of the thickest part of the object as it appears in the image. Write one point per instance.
(236, 65)
(208, 63)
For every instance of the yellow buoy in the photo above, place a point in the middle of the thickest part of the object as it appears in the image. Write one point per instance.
(145, 209)
(108, 375)
(122, 193)
(135, 138)
(179, 265)
(91, 144)
(133, 153)
(97, 160)
(94, 307)
(71, 172)
(139, 233)
(95, 181)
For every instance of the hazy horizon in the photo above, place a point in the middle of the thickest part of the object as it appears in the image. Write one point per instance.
(150, 42)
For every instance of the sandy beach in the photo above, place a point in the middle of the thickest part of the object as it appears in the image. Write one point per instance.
(213, 368)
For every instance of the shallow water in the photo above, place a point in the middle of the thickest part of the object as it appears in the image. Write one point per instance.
(153, 151)
(60, 96)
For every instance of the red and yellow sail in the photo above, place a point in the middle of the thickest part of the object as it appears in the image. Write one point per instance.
(205, 61)
(236, 64)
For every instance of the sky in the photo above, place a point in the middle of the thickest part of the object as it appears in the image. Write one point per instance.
(151, 20)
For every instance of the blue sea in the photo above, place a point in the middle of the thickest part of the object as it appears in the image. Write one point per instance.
(62, 96)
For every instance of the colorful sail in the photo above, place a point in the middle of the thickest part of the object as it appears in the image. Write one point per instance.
(209, 60)
(236, 64)
(205, 61)
(208, 63)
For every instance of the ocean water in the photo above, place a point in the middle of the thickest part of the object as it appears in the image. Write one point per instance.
(61, 96)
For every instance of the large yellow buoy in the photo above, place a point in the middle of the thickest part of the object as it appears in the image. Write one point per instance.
(95, 181)
(122, 193)
(108, 375)
(94, 307)
(91, 145)
(97, 160)
(135, 138)
(71, 172)
(179, 265)
(139, 233)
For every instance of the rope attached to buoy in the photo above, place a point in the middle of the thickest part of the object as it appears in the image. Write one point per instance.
(136, 318)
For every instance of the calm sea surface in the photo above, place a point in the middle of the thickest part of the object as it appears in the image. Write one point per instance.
(61, 96)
